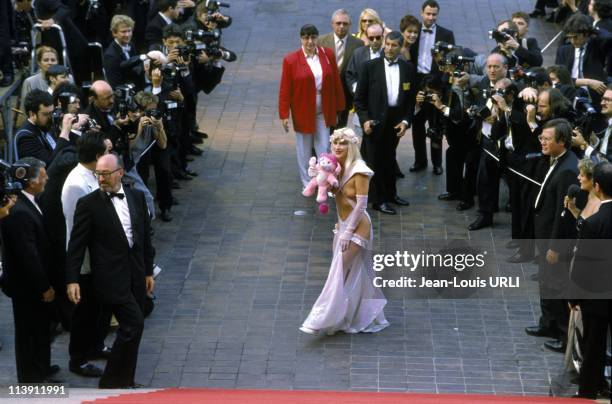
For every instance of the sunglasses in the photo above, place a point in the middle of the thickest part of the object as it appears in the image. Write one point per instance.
(368, 21)
(375, 38)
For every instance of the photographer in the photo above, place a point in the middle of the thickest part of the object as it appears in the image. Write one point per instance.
(600, 148)
(509, 44)
(168, 12)
(529, 50)
(431, 109)
(151, 129)
(121, 62)
(560, 78)
(585, 55)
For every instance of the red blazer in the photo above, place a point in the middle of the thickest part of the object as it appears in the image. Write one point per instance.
(298, 93)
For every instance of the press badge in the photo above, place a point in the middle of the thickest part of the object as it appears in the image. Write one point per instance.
(406, 86)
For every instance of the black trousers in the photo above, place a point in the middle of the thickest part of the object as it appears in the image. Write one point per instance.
(32, 339)
(594, 354)
(160, 159)
(552, 282)
(380, 157)
(121, 365)
(86, 337)
(420, 144)
(487, 179)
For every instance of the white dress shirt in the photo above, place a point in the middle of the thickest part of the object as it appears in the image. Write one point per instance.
(392, 75)
(125, 48)
(550, 170)
(577, 71)
(426, 41)
(81, 181)
(32, 199)
(317, 71)
(123, 211)
(168, 20)
(603, 145)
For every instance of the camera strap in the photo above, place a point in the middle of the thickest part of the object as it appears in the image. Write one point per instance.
(494, 157)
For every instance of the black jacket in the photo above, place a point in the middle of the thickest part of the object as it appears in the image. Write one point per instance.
(154, 32)
(25, 251)
(30, 141)
(371, 101)
(116, 74)
(442, 34)
(117, 270)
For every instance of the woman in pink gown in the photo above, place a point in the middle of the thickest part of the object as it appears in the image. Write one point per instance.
(349, 300)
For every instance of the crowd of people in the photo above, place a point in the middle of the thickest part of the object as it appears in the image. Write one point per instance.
(76, 242)
(504, 117)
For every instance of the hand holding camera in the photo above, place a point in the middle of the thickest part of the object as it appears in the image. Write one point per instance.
(156, 77)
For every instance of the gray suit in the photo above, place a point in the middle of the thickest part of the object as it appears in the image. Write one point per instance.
(350, 46)
(360, 56)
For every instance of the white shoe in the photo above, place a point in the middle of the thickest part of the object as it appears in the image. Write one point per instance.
(309, 330)
(156, 271)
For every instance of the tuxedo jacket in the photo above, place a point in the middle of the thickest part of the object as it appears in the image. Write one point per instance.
(30, 141)
(25, 251)
(371, 101)
(594, 60)
(549, 225)
(527, 55)
(360, 57)
(442, 34)
(117, 269)
(592, 269)
(523, 140)
(113, 57)
(154, 31)
(350, 46)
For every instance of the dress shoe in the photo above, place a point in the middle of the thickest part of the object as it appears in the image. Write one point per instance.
(448, 196)
(165, 216)
(87, 370)
(537, 331)
(104, 353)
(53, 369)
(195, 151)
(400, 201)
(191, 173)
(437, 170)
(555, 346)
(176, 185)
(417, 167)
(481, 222)
(182, 175)
(512, 244)
(195, 139)
(463, 205)
(7, 80)
(519, 257)
(384, 208)
(537, 13)
(197, 133)
(189, 158)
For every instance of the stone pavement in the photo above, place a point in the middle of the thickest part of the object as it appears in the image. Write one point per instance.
(241, 271)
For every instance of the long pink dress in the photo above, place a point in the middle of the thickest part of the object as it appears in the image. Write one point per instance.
(355, 304)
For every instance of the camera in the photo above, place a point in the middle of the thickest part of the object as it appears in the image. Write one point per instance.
(459, 61)
(125, 96)
(434, 134)
(428, 97)
(9, 173)
(478, 112)
(442, 47)
(213, 6)
(93, 8)
(503, 35)
(201, 35)
(488, 93)
(584, 106)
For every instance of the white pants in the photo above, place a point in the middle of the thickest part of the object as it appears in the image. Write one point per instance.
(304, 143)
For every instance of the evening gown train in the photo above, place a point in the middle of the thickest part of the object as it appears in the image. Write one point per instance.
(355, 304)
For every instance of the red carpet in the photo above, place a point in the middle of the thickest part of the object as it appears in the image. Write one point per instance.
(189, 396)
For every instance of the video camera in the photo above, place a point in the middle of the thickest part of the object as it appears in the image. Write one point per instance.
(124, 95)
(8, 174)
(503, 35)
(459, 61)
(212, 6)
(490, 92)
(208, 42)
(443, 47)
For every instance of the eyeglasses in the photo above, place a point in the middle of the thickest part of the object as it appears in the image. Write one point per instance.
(375, 38)
(368, 21)
(543, 139)
(342, 23)
(105, 174)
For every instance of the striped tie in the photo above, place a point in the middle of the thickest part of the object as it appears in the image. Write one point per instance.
(339, 52)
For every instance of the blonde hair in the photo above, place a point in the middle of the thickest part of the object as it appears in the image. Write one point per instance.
(372, 13)
(42, 50)
(120, 19)
(353, 141)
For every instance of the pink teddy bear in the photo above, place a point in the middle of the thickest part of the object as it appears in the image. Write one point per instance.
(324, 177)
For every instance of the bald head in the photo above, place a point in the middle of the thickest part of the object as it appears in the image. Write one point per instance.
(110, 172)
(103, 95)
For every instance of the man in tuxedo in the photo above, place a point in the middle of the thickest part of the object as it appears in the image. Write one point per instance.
(585, 55)
(429, 35)
(119, 51)
(85, 337)
(26, 277)
(603, 149)
(591, 272)
(551, 230)
(113, 224)
(168, 11)
(343, 44)
(515, 48)
(487, 179)
(384, 103)
(528, 51)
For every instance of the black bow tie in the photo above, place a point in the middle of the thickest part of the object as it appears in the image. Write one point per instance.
(119, 195)
(428, 31)
(393, 63)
